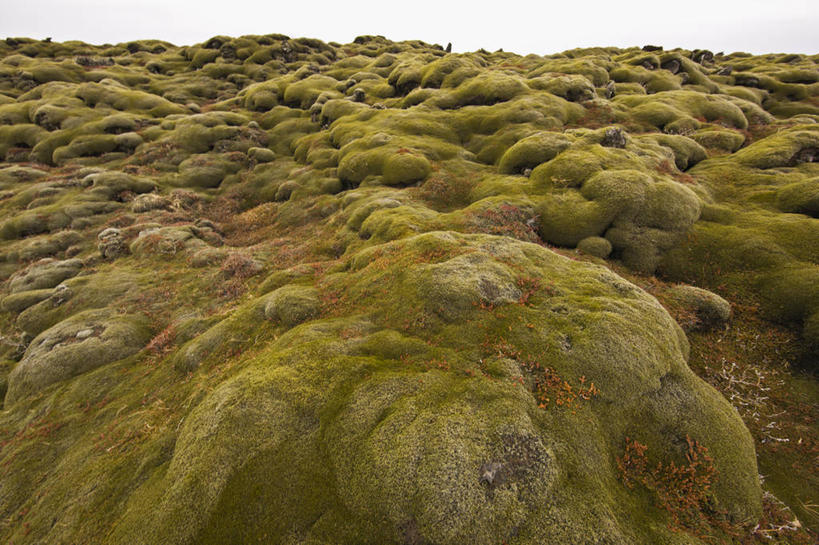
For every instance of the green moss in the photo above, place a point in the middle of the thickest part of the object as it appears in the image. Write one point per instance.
(77, 345)
(726, 141)
(572, 88)
(532, 151)
(45, 275)
(405, 168)
(207, 171)
(291, 305)
(781, 149)
(687, 152)
(167, 241)
(23, 135)
(710, 309)
(261, 155)
(394, 433)
(481, 90)
(17, 302)
(568, 218)
(800, 198)
(580, 162)
(392, 380)
(595, 69)
(302, 94)
(667, 110)
(595, 246)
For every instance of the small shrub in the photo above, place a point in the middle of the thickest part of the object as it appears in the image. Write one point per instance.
(682, 490)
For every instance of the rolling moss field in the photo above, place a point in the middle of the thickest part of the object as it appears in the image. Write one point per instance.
(274, 290)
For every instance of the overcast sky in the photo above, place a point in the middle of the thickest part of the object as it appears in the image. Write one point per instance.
(537, 26)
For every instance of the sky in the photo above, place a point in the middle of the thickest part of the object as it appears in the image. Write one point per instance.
(541, 27)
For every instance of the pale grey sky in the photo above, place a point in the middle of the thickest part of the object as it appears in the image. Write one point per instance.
(537, 26)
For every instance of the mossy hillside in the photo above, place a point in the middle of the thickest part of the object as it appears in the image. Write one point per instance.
(366, 382)
(255, 204)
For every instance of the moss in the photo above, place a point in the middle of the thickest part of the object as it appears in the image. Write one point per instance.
(669, 109)
(595, 246)
(572, 88)
(149, 201)
(782, 149)
(207, 171)
(112, 94)
(404, 168)
(302, 94)
(594, 69)
(481, 90)
(77, 345)
(532, 151)
(800, 198)
(568, 218)
(726, 141)
(261, 155)
(453, 288)
(652, 81)
(291, 305)
(261, 97)
(396, 165)
(580, 162)
(687, 152)
(395, 433)
(710, 309)
(409, 384)
(82, 292)
(167, 241)
(35, 248)
(23, 135)
(17, 302)
(45, 275)
(810, 332)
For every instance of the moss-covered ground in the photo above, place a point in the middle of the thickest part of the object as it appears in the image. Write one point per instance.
(275, 290)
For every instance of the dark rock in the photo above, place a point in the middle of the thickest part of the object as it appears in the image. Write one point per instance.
(702, 56)
(448, 47)
(652, 48)
(614, 137)
(746, 80)
(213, 43)
(672, 65)
(489, 471)
(806, 155)
(111, 244)
(228, 52)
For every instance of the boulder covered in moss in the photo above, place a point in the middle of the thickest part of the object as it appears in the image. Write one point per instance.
(292, 304)
(77, 345)
(710, 310)
(45, 274)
